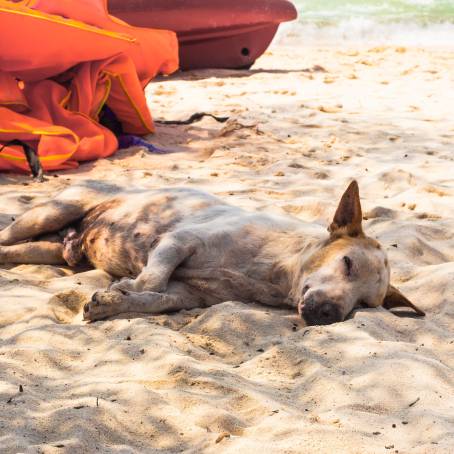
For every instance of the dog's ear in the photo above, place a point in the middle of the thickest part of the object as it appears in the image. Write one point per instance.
(348, 217)
(394, 298)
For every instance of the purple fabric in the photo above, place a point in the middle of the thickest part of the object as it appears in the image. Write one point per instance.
(128, 140)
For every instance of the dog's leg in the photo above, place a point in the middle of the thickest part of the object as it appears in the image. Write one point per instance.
(107, 304)
(48, 217)
(67, 207)
(171, 251)
(39, 252)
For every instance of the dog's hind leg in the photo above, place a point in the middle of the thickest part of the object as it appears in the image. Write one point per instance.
(106, 304)
(45, 218)
(34, 253)
(67, 207)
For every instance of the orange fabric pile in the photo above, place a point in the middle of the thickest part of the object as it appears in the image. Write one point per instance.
(60, 62)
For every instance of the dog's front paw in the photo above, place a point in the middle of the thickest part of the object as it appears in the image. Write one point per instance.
(124, 286)
(103, 305)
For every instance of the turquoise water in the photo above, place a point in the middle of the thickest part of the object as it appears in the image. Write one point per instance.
(423, 12)
(400, 22)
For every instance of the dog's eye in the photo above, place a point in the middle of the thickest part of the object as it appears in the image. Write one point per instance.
(348, 265)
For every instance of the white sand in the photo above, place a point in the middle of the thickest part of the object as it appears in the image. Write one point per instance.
(241, 378)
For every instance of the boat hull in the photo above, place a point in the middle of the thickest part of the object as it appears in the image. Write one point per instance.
(211, 33)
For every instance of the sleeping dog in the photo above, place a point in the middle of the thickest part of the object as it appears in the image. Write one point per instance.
(180, 248)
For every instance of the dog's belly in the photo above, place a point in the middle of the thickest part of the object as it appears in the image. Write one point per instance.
(118, 255)
(117, 236)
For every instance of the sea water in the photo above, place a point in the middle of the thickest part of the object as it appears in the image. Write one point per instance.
(381, 22)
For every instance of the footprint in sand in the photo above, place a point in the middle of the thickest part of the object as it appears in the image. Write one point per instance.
(380, 212)
(221, 423)
(25, 198)
(67, 305)
(321, 175)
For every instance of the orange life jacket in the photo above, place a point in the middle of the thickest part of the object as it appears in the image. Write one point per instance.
(60, 62)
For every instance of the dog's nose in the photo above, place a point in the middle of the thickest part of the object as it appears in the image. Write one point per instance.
(323, 313)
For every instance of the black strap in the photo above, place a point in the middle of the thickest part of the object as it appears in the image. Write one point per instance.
(192, 119)
(31, 156)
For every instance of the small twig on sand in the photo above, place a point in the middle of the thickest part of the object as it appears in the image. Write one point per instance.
(413, 403)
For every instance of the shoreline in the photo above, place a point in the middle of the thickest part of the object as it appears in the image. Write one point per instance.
(362, 32)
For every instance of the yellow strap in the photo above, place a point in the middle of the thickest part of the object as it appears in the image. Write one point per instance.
(24, 11)
(131, 101)
(39, 132)
(53, 157)
(104, 98)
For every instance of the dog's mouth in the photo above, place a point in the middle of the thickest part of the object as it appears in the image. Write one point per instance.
(300, 306)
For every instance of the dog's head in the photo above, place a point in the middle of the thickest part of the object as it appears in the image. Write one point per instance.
(349, 270)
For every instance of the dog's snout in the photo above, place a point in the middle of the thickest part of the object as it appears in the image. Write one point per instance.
(321, 313)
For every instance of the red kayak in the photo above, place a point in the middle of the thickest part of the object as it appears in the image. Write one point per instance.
(211, 33)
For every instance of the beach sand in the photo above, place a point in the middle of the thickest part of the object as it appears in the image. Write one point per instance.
(239, 378)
